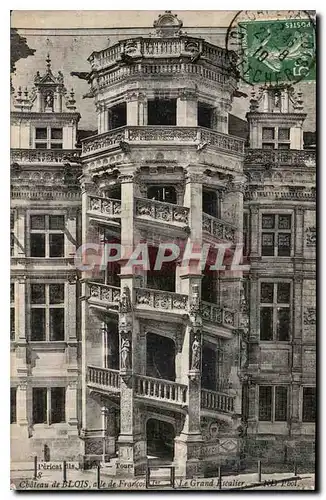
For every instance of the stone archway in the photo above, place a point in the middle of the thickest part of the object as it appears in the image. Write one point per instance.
(160, 436)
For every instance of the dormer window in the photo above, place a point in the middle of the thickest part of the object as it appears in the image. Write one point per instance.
(276, 138)
(48, 138)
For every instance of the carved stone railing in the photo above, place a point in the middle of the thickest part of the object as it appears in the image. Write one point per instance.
(211, 400)
(104, 293)
(103, 378)
(160, 390)
(45, 155)
(281, 157)
(216, 227)
(162, 133)
(161, 300)
(161, 211)
(218, 315)
(155, 48)
(104, 206)
(145, 69)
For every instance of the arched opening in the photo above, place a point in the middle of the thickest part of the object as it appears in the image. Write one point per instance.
(160, 362)
(111, 346)
(160, 439)
(162, 193)
(209, 365)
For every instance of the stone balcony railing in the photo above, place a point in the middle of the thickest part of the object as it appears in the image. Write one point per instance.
(98, 205)
(218, 315)
(103, 378)
(161, 211)
(50, 156)
(281, 157)
(218, 228)
(155, 48)
(138, 135)
(104, 294)
(160, 390)
(161, 300)
(216, 401)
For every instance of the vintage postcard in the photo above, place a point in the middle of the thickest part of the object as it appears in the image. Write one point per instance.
(163, 239)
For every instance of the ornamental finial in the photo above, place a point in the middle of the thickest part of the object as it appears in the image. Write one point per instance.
(48, 63)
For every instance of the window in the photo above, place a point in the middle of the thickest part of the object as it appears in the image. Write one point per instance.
(47, 235)
(162, 193)
(209, 286)
(162, 112)
(204, 114)
(12, 233)
(118, 116)
(276, 138)
(273, 403)
(12, 311)
(246, 233)
(48, 138)
(13, 400)
(47, 312)
(49, 405)
(210, 203)
(276, 235)
(275, 320)
(309, 404)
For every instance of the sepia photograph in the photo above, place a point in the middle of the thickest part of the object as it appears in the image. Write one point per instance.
(163, 250)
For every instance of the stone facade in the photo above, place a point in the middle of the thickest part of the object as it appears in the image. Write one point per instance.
(151, 362)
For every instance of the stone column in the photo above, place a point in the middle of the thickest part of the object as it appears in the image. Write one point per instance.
(142, 110)
(108, 425)
(131, 442)
(188, 444)
(71, 407)
(187, 108)
(22, 410)
(132, 109)
(21, 333)
(19, 230)
(254, 234)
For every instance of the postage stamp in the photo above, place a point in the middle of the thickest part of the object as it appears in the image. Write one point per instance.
(273, 50)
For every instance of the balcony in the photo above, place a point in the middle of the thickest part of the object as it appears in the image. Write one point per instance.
(156, 48)
(221, 230)
(160, 211)
(108, 207)
(161, 301)
(280, 158)
(45, 156)
(160, 390)
(217, 315)
(104, 296)
(103, 378)
(216, 401)
(162, 135)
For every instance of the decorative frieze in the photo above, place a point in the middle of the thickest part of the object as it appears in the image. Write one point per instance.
(311, 236)
(309, 316)
(157, 299)
(106, 206)
(135, 134)
(218, 228)
(279, 157)
(44, 156)
(104, 293)
(161, 211)
(214, 314)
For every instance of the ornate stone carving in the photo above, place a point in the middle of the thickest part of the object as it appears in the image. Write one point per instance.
(311, 236)
(196, 354)
(125, 301)
(161, 300)
(125, 354)
(161, 211)
(309, 316)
